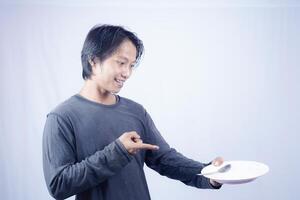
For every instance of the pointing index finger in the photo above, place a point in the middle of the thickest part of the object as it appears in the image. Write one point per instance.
(146, 146)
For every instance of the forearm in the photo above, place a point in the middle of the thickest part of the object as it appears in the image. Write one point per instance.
(170, 163)
(176, 166)
(66, 180)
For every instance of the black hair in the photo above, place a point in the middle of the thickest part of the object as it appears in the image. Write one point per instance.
(102, 41)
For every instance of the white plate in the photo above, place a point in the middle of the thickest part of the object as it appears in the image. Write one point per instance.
(240, 172)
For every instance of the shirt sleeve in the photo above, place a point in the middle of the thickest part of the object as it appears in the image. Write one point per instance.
(64, 174)
(168, 162)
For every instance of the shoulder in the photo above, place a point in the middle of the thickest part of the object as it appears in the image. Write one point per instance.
(64, 109)
(131, 103)
(133, 106)
(60, 120)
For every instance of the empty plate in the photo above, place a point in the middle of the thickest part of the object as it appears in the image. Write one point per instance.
(239, 172)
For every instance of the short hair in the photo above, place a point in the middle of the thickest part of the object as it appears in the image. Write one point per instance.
(102, 41)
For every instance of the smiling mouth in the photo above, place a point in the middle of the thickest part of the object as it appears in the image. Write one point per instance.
(119, 82)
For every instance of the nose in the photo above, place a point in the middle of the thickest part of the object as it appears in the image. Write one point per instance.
(126, 72)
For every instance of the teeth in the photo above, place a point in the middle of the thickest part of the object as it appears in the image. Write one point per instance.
(120, 82)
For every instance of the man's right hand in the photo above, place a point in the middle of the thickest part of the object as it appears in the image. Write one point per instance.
(132, 142)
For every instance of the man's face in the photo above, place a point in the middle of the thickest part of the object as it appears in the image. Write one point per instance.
(111, 74)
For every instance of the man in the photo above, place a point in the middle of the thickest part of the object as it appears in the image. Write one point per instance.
(95, 143)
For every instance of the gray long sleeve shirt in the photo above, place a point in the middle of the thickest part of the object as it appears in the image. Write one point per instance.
(82, 155)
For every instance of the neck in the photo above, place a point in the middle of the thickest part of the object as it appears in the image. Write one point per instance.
(94, 93)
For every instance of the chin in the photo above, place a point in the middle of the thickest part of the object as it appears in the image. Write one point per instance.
(116, 91)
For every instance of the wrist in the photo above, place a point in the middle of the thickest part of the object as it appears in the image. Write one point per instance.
(215, 184)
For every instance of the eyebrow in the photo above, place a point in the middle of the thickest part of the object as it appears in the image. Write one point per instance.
(122, 57)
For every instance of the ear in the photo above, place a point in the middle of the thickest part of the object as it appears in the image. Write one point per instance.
(92, 63)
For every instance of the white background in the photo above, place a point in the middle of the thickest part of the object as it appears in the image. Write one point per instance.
(218, 78)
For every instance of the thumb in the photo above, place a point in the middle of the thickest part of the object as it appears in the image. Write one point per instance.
(134, 135)
(218, 161)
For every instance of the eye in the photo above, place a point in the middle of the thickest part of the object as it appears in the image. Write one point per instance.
(132, 66)
(120, 62)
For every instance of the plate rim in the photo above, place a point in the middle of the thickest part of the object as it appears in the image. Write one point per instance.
(239, 179)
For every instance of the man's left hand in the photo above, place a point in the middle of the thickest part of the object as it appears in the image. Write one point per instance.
(216, 162)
